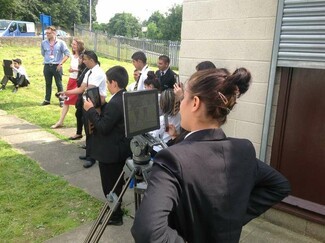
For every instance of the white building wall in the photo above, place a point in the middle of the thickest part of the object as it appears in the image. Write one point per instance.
(232, 34)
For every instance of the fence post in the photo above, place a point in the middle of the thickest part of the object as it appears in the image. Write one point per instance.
(118, 48)
(95, 41)
(171, 53)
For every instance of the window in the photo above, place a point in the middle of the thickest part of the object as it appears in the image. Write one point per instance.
(13, 27)
(22, 27)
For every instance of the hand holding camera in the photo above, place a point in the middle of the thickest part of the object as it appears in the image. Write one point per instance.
(87, 103)
(61, 96)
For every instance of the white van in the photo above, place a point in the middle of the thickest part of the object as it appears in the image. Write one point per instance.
(16, 28)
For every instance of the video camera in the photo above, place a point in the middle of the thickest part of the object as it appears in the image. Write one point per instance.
(141, 115)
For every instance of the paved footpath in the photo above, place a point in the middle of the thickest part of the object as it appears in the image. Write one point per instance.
(61, 158)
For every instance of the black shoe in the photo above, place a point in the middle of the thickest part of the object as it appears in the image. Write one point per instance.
(88, 163)
(115, 221)
(61, 104)
(83, 157)
(45, 103)
(75, 137)
(15, 90)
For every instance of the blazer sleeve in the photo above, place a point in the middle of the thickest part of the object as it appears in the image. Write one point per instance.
(162, 194)
(270, 188)
(107, 120)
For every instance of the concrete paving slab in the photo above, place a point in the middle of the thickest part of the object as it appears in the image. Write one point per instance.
(112, 234)
(10, 125)
(54, 155)
(260, 230)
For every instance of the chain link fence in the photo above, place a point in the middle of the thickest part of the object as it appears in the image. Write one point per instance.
(122, 48)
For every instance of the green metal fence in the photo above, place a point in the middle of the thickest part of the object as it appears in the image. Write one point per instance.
(122, 48)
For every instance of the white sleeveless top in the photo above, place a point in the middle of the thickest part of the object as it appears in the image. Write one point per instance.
(74, 65)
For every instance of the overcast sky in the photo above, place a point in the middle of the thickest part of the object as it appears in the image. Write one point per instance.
(141, 9)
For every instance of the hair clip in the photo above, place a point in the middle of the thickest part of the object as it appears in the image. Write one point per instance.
(223, 98)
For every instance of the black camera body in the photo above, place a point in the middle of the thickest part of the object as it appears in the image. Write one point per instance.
(61, 97)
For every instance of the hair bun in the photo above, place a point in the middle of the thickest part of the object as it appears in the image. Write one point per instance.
(151, 74)
(242, 78)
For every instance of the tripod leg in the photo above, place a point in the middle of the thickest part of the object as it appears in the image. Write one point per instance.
(106, 209)
(105, 216)
(93, 229)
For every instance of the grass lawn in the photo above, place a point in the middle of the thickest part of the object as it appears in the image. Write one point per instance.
(35, 205)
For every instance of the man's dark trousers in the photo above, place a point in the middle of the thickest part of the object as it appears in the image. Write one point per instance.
(49, 72)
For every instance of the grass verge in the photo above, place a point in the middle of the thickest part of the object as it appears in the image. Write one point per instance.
(35, 205)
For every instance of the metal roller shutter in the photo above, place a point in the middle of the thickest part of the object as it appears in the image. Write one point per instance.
(302, 34)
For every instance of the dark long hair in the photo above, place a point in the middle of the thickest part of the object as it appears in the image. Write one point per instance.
(92, 55)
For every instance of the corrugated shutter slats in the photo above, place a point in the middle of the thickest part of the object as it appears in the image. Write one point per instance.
(302, 36)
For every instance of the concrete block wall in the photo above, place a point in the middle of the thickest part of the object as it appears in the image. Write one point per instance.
(232, 34)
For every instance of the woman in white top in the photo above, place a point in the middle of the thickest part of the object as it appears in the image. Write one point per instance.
(77, 48)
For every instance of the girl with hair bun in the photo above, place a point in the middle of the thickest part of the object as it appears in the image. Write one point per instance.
(205, 188)
(152, 81)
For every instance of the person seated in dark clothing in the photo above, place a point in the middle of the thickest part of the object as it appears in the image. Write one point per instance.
(19, 78)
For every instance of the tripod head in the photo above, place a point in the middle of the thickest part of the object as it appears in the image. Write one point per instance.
(141, 145)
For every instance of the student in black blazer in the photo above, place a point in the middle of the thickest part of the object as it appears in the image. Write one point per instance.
(110, 147)
(205, 188)
(165, 75)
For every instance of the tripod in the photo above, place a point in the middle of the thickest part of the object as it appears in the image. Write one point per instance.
(136, 169)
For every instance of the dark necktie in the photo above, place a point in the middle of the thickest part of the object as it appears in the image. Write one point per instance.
(136, 84)
(88, 77)
(162, 73)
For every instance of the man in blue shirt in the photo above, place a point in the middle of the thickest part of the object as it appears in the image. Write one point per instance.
(55, 53)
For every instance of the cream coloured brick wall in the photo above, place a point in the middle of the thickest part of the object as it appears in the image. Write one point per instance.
(232, 34)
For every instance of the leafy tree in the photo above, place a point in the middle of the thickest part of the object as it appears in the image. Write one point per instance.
(124, 24)
(64, 13)
(157, 18)
(155, 24)
(84, 10)
(153, 32)
(173, 24)
(100, 27)
(16, 9)
(165, 28)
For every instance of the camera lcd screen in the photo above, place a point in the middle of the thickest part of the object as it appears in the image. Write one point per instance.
(141, 112)
(93, 95)
(7, 69)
